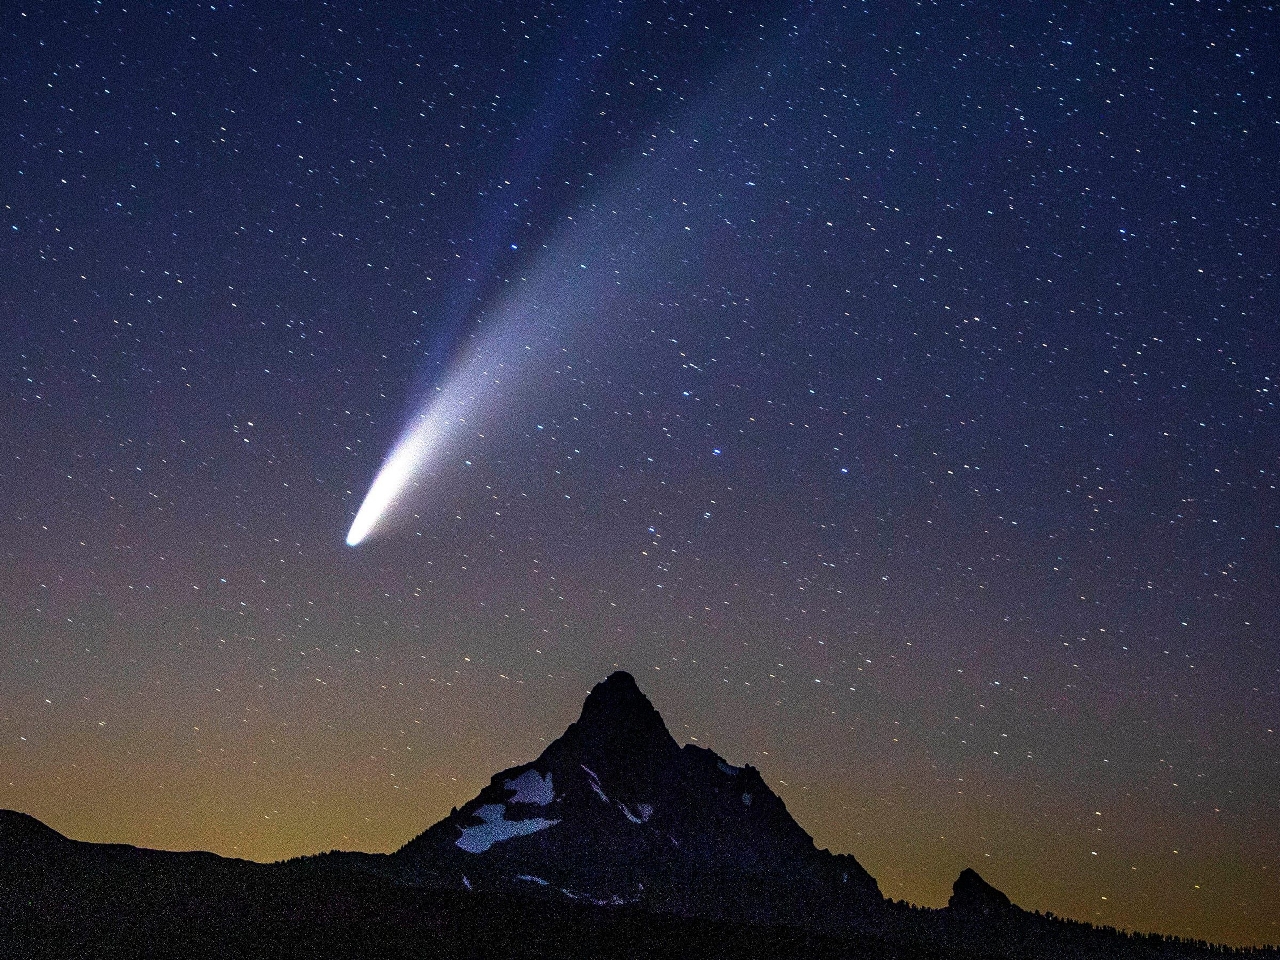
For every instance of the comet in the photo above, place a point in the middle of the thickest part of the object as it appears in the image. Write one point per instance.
(456, 407)
(404, 461)
(439, 420)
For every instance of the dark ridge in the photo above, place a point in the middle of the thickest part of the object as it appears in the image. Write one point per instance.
(617, 697)
(18, 827)
(617, 715)
(971, 894)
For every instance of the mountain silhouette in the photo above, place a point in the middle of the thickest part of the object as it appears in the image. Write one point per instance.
(615, 811)
(972, 894)
(615, 840)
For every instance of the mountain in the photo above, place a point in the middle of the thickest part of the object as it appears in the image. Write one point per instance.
(973, 895)
(614, 841)
(615, 811)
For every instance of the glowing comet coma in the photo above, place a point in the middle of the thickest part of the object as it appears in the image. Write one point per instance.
(405, 459)
(467, 392)
(555, 305)
(437, 421)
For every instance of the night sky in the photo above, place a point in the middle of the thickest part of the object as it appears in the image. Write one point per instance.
(892, 388)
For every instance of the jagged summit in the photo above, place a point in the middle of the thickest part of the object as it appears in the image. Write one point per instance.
(971, 894)
(615, 811)
(618, 721)
(615, 697)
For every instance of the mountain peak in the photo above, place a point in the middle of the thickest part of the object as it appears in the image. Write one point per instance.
(614, 811)
(616, 693)
(616, 713)
(972, 894)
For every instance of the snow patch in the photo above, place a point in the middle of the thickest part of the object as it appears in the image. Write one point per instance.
(594, 782)
(613, 900)
(496, 827)
(728, 768)
(532, 879)
(746, 799)
(465, 882)
(645, 812)
(532, 787)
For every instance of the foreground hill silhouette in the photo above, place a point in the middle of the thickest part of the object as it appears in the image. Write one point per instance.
(615, 841)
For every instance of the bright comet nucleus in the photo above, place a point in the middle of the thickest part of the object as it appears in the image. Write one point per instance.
(443, 419)
(405, 460)
(488, 375)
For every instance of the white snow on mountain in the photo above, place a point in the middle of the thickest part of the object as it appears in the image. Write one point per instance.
(595, 782)
(496, 828)
(532, 787)
(645, 812)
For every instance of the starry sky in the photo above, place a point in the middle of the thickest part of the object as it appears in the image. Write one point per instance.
(890, 387)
